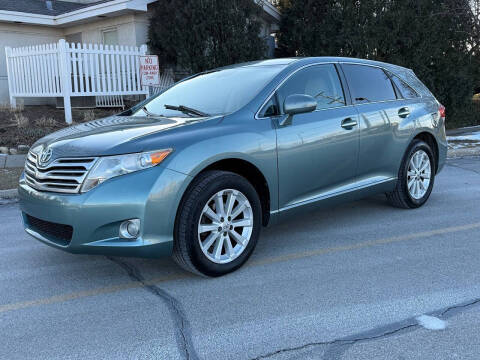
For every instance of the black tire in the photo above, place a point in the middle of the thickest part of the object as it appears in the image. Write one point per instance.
(400, 197)
(187, 251)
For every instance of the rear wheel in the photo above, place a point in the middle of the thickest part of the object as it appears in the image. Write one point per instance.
(415, 177)
(218, 224)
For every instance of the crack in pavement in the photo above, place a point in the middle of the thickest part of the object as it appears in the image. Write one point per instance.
(341, 342)
(456, 309)
(337, 347)
(182, 327)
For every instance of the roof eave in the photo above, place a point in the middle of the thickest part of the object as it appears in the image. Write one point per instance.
(27, 18)
(92, 12)
(271, 11)
(79, 15)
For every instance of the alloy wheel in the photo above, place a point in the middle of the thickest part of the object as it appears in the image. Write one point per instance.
(225, 226)
(418, 174)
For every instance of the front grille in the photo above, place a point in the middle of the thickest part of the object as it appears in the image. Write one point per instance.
(58, 233)
(63, 175)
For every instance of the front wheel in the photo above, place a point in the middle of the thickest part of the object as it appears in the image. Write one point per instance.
(415, 177)
(218, 224)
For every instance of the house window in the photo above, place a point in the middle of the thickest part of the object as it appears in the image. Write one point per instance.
(110, 37)
(74, 38)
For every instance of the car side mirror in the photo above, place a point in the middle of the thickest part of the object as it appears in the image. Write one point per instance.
(297, 104)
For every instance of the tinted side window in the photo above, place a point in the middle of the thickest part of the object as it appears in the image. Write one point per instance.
(319, 81)
(405, 91)
(368, 84)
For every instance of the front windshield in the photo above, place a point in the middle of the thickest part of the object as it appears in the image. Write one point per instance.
(213, 93)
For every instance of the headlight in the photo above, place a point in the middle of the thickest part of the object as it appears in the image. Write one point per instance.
(111, 166)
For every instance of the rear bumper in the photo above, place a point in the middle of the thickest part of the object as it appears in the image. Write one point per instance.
(151, 195)
(442, 148)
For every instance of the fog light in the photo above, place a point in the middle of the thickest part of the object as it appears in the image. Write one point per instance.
(130, 229)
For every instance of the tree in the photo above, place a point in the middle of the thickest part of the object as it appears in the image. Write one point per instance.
(198, 35)
(438, 39)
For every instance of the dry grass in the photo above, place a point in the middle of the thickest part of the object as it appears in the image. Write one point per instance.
(45, 121)
(6, 107)
(27, 126)
(20, 106)
(21, 120)
(89, 115)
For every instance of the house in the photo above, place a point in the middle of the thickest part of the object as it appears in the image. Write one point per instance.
(111, 22)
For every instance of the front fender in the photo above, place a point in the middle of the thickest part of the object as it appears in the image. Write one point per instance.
(255, 147)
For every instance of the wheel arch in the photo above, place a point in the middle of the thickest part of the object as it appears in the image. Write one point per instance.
(252, 174)
(432, 142)
(243, 168)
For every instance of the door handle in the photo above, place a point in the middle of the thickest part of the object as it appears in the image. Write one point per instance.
(404, 112)
(348, 123)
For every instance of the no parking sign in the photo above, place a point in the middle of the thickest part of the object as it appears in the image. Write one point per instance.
(149, 70)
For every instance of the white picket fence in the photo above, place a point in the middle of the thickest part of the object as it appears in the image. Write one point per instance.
(66, 70)
(111, 101)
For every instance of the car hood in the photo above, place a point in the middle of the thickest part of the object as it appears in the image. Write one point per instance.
(110, 136)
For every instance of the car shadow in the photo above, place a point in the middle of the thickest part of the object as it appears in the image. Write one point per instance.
(300, 228)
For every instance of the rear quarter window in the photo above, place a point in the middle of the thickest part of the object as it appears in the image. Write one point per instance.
(368, 83)
(406, 91)
(410, 78)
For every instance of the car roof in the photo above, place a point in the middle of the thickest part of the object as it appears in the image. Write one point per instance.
(325, 59)
(282, 62)
(301, 61)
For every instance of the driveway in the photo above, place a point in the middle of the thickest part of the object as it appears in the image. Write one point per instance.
(343, 283)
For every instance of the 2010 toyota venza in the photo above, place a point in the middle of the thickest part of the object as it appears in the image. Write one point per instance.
(197, 170)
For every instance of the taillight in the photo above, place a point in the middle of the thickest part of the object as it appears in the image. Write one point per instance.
(441, 111)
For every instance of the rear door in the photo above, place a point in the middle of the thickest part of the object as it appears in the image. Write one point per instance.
(384, 122)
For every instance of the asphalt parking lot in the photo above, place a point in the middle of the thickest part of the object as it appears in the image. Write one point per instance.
(342, 283)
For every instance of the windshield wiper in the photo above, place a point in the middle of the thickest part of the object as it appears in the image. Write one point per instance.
(186, 110)
(150, 113)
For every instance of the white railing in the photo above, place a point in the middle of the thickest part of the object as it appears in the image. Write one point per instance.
(111, 101)
(66, 70)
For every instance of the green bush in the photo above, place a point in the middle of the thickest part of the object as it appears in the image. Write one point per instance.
(200, 35)
(468, 115)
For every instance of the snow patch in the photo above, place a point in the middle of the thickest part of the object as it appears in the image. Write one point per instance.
(474, 136)
(431, 322)
(467, 140)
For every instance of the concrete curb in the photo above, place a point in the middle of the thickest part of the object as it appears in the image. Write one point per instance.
(8, 194)
(463, 152)
(12, 161)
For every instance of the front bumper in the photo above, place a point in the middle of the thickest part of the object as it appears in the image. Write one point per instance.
(151, 195)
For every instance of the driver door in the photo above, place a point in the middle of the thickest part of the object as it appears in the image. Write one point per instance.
(317, 152)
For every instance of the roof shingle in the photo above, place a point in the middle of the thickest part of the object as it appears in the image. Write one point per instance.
(39, 6)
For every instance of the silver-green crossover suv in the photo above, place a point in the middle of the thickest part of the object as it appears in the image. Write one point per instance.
(197, 170)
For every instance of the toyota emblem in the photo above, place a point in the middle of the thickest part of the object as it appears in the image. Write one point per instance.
(45, 156)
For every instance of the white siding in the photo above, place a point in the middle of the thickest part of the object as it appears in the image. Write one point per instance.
(126, 26)
(132, 31)
(15, 35)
